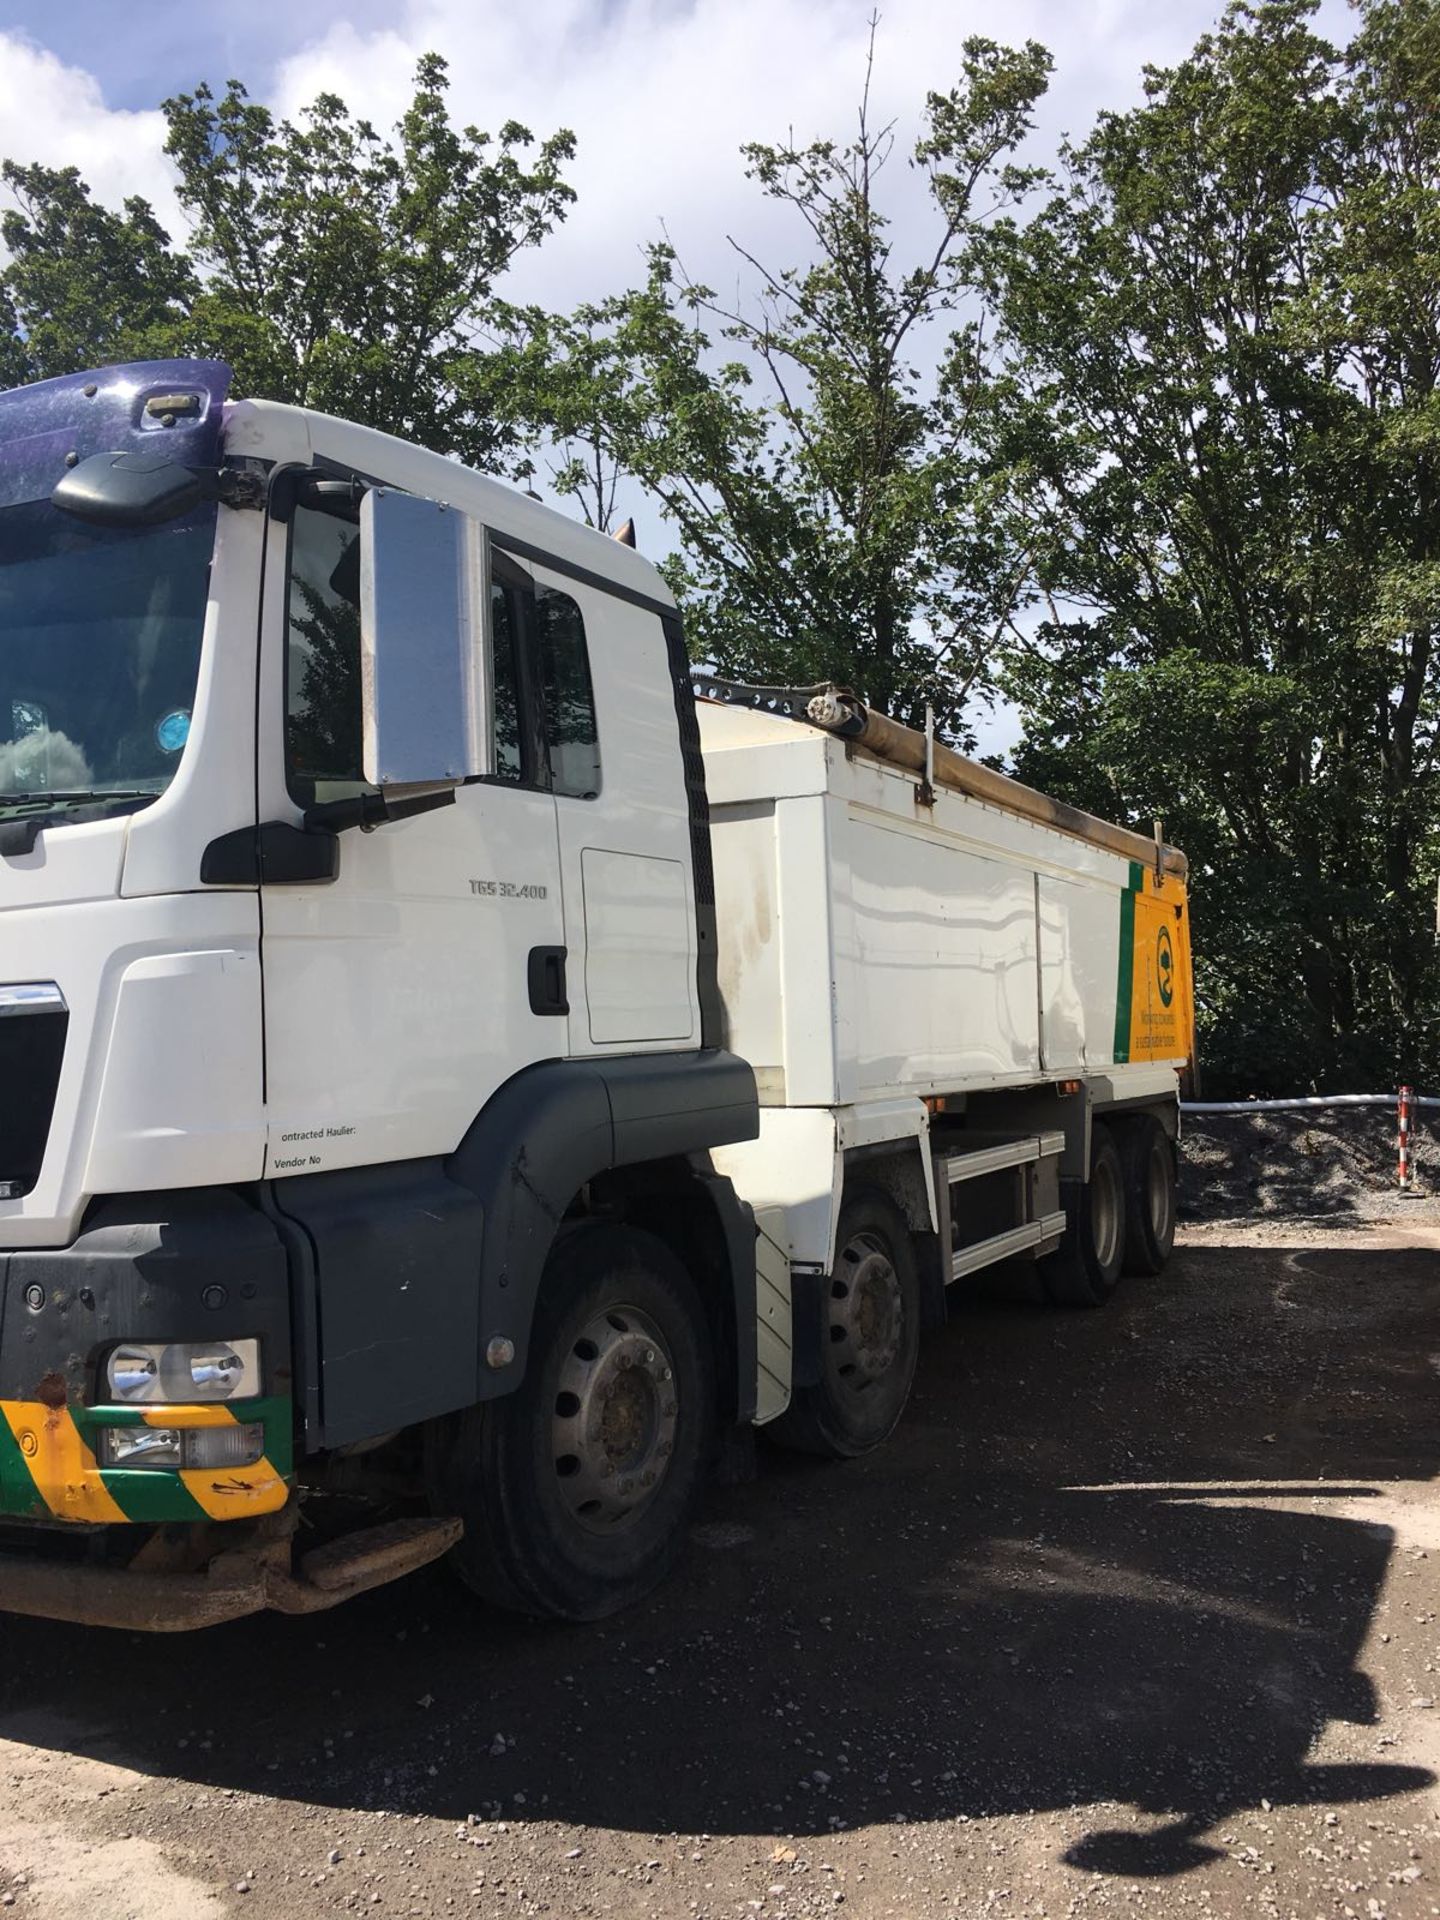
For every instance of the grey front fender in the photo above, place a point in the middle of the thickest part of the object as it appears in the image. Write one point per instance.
(560, 1124)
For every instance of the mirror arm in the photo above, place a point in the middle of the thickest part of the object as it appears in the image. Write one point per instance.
(370, 810)
(239, 487)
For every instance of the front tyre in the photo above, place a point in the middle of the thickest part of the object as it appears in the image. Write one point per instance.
(576, 1489)
(869, 1337)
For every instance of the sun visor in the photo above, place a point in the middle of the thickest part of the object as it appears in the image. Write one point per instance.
(151, 406)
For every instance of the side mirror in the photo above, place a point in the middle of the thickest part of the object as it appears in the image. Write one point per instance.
(128, 490)
(423, 663)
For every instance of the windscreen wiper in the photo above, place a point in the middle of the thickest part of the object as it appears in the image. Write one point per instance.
(66, 796)
(29, 812)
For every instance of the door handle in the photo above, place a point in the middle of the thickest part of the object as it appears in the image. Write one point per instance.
(546, 974)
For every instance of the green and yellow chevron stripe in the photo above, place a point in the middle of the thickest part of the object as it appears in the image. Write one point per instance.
(48, 1465)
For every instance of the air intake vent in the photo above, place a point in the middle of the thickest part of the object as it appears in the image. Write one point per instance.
(33, 1019)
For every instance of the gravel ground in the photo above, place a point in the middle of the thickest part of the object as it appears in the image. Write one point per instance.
(1138, 1613)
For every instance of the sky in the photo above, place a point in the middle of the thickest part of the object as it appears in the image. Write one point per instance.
(659, 93)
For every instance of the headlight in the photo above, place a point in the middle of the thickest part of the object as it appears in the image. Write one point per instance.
(184, 1370)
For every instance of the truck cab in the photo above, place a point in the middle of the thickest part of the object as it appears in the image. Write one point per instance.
(358, 955)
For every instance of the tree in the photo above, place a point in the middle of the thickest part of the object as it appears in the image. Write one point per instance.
(84, 285)
(835, 518)
(1220, 419)
(330, 266)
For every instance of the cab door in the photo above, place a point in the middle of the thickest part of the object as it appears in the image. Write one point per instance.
(608, 702)
(400, 994)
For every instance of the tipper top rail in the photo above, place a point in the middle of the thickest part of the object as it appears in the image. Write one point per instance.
(836, 710)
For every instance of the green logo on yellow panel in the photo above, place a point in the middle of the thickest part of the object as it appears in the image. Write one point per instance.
(1165, 966)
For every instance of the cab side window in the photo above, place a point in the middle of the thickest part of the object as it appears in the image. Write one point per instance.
(508, 759)
(569, 697)
(323, 739)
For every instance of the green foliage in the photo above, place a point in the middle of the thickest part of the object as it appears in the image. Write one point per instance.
(1151, 445)
(834, 514)
(1220, 423)
(84, 285)
(331, 267)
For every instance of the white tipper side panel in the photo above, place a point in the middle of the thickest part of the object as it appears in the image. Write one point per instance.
(941, 973)
(1079, 970)
(871, 946)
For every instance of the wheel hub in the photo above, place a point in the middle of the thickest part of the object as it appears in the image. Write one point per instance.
(614, 1421)
(866, 1312)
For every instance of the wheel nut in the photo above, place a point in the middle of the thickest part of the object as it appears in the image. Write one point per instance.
(650, 1356)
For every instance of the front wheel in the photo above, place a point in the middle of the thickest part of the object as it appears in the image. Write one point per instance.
(577, 1488)
(869, 1337)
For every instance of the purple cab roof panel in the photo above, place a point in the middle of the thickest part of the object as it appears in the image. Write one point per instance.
(106, 412)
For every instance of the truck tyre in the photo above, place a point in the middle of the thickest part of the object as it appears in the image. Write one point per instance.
(1083, 1271)
(577, 1488)
(1148, 1155)
(869, 1337)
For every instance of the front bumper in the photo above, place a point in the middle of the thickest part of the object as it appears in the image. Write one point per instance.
(158, 1593)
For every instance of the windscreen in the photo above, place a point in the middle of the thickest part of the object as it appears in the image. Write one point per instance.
(100, 635)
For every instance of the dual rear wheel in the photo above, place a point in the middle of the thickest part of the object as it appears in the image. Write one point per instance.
(1122, 1220)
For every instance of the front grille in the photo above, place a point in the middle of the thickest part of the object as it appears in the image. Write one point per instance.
(33, 1020)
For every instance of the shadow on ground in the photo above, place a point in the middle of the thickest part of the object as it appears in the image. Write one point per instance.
(1025, 1602)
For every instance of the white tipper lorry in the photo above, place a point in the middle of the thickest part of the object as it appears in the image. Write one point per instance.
(453, 1077)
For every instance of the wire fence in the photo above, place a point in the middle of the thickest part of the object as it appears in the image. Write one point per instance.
(1404, 1101)
(1300, 1102)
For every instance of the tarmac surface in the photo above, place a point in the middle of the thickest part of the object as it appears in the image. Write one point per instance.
(1137, 1613)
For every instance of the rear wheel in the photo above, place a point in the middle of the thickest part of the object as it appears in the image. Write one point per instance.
(869, 1337)
(577, 1488)
(1148, 1155)
(1084, 1269)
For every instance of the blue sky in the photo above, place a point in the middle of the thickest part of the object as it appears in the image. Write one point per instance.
(165, 46)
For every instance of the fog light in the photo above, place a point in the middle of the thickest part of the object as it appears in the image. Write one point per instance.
(184, 1370)
(204, 1447)
(139, 1447)
(234, 1446)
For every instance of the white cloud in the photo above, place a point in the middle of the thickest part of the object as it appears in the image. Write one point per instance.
(661, 97)
(57, 115)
